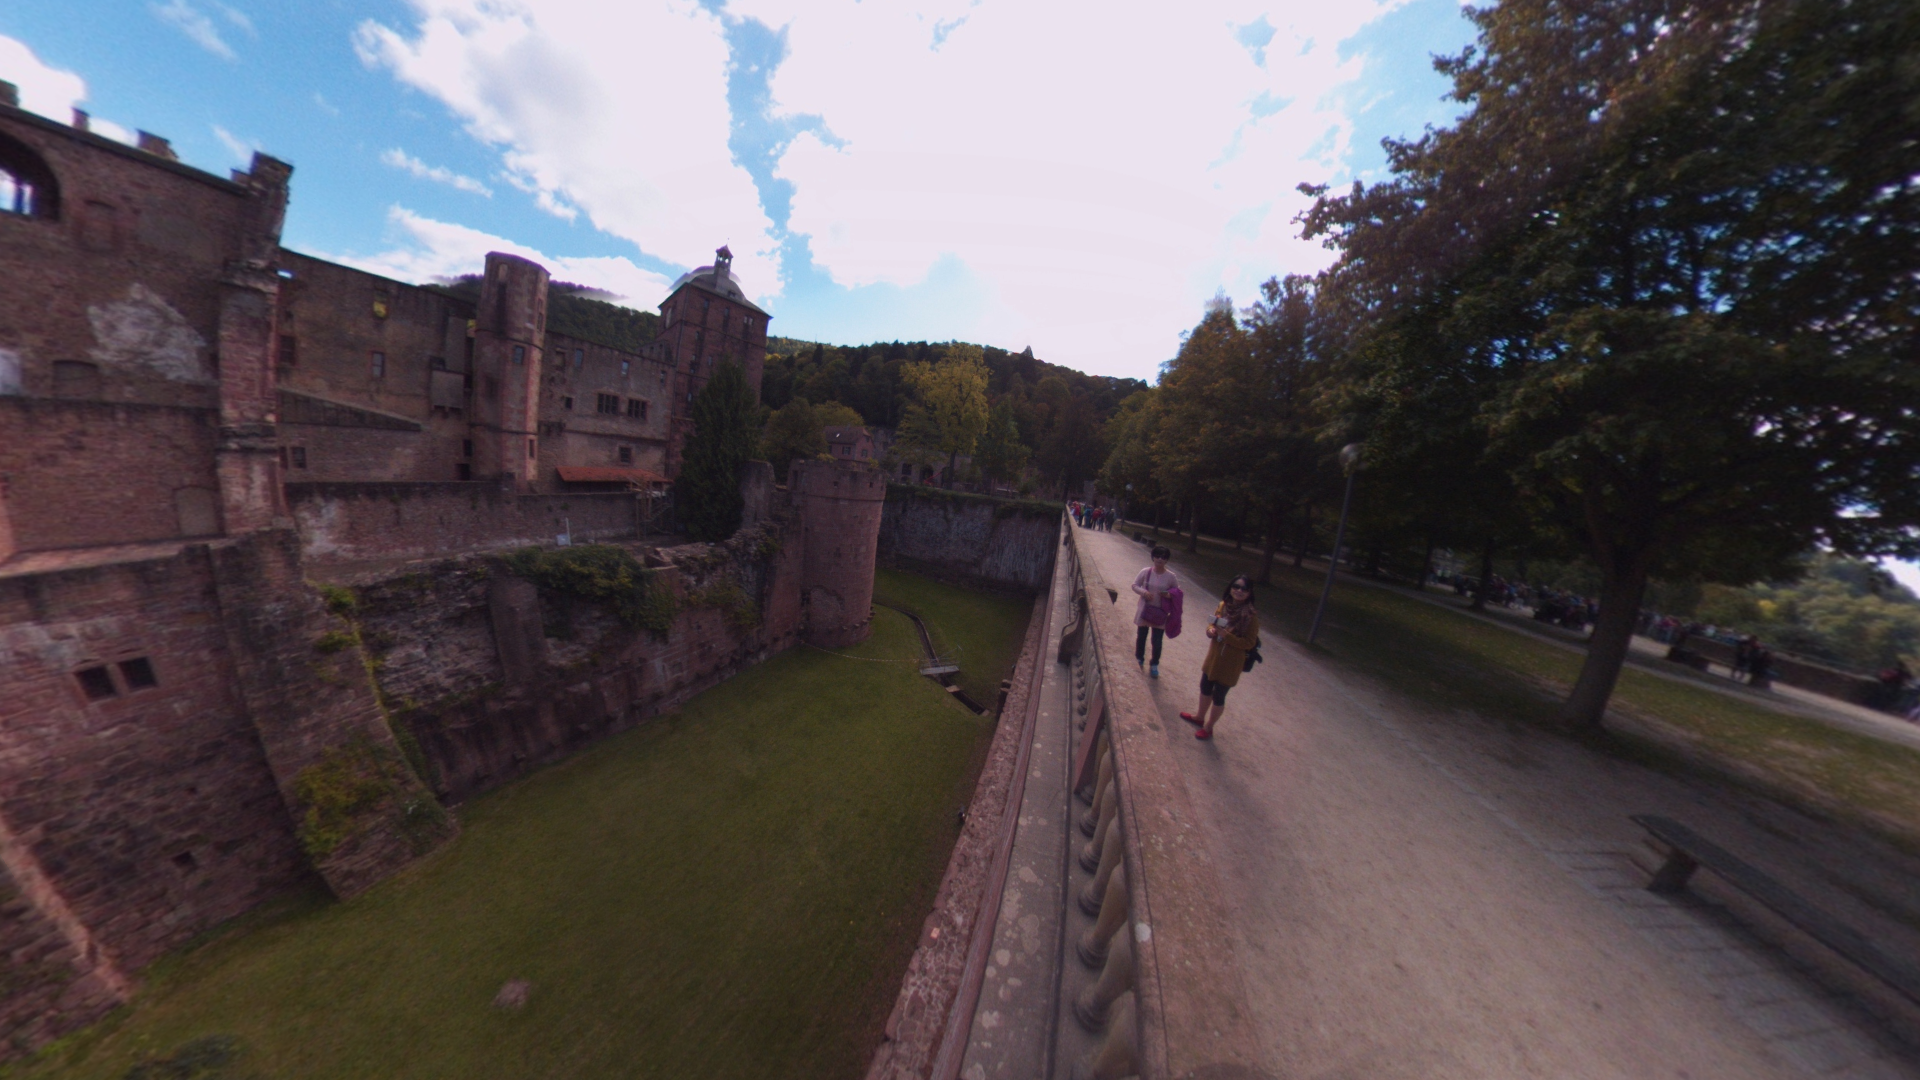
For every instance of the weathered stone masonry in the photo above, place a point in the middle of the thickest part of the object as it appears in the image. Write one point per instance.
(193, 422)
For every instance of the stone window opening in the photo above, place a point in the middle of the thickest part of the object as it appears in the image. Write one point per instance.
(297, 456)
(377, 364)
(625, 366)
(466, 448)
(287, 352)
(566, 403)
(97, 683)
(463, 471)
(579, 359)
(138, 674)
(531, 448)
(519, 354)
(607, 403)
(27, 185)
(626, 455)
(637, 409)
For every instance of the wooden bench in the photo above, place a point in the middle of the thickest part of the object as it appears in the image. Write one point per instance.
(1688, 851)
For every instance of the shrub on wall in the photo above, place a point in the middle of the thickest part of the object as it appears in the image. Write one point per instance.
(604, 574)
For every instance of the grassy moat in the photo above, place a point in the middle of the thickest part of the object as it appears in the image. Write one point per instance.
(730, 891)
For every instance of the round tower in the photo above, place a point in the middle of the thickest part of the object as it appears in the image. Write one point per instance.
(510, 333)
(838, 504)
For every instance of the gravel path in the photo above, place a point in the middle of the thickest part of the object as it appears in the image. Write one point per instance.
(1429, 895)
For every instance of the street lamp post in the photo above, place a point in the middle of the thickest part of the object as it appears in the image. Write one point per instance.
(1350, 463)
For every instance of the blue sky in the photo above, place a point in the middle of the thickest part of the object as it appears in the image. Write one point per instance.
(1013, 172)
(1017, 173)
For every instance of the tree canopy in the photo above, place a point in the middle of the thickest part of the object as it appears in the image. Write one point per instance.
(1660, 283)
(725, 435)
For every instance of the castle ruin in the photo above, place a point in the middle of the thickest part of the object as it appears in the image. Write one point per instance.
(195, 424)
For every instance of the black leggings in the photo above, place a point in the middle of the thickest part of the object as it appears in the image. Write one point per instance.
(1140, 642)
(1214, 690)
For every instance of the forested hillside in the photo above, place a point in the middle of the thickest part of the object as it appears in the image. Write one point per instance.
(1057, 414)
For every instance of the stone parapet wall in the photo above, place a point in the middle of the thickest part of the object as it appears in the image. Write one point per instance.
(1794, 671)
(1170, 999)
(359, 522)
(972, 539)
(494, 676)
(156, 719)
(77, 473)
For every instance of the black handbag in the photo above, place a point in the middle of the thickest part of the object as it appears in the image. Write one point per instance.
(1253, 657)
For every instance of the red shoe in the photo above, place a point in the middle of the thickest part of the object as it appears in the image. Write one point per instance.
(1189, 718)
(1203, 733)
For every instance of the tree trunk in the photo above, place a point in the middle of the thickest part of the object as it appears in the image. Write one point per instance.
(1193, 525)
(1486, 577)
(1274, 519)
(1620, 595)
(1306, 533)
(1158, 513)
(953, 467)
(1426, 567)
(1240, 531)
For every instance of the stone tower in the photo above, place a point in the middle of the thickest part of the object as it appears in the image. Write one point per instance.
(509, 338)
(838, 504)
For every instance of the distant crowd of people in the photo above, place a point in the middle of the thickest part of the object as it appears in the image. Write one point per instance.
(1089, 516)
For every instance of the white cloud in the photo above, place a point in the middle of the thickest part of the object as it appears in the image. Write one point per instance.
(50, 91)
(616, 112)
(439, 174)
(194, 23)
(1093, 176)
(425, 249)
(44, 89)
(1105, 172)
(241, 149)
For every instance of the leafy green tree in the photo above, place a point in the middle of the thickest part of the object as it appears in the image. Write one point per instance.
(1686, 251)
(950, 407)
(725, 435)
(793, 431)
(833, 414)
(1128, 473)
(1001, 455)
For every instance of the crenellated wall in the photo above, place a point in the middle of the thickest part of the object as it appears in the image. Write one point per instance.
(359, 521)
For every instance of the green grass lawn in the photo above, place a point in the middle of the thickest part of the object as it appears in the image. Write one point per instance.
(1449, 659)
(732, 891)
(982, 633)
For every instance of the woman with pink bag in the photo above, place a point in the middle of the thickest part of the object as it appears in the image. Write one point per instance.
(1158, 591)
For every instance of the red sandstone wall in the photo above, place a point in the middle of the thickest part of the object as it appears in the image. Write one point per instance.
(839, 505)
(126, 277)
(578, 371)
(81, 473)
(152, 812)
(353, 454)
(351, 522)
(495, 678)
(977, 540)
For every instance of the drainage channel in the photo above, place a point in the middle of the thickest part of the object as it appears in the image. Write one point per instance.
(926, 642)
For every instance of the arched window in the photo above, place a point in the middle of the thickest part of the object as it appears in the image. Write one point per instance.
(27, 186)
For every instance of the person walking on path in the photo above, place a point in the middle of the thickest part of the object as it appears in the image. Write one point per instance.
(1152, 585)
(1235, 632)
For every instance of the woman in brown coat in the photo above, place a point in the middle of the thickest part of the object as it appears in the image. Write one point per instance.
(1235, 632)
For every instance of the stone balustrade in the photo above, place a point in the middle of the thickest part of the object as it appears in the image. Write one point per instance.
(1160, 988)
